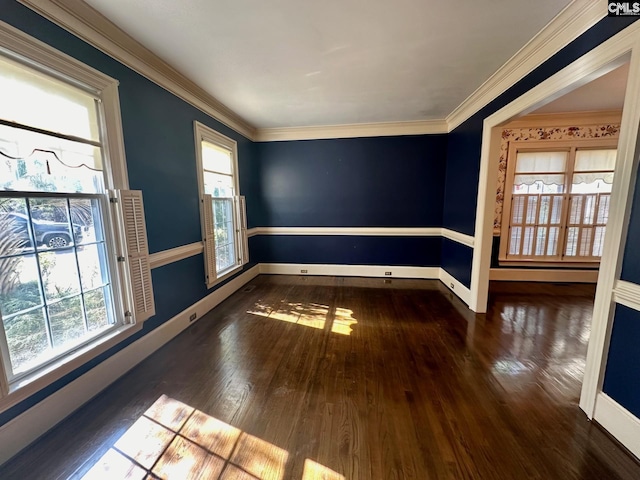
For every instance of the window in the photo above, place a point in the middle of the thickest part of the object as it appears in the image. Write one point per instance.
(67, 246)
(558, 202)
(222, 209)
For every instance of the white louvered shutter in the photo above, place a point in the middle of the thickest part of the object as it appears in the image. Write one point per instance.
(243, 244)
(137, 253)
(209, 240)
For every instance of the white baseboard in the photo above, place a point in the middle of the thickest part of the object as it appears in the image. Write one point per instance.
(453, 284)
(27, 427)
(543, 275)
(618, 421)
(350, 270)
(435, 273)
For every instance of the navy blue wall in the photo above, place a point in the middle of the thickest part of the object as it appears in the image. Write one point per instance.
(465, 142)
(159, 144)
(355, 182)
(347, 250)
(631, 258)
(622, 376)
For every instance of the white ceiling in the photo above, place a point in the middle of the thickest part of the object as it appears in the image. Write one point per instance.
(603, 93)
(286, 63)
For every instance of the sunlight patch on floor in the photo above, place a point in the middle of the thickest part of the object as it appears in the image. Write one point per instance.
(321, 317)
(172, 440)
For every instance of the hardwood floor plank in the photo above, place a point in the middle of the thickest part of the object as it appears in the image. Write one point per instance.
(349, 378)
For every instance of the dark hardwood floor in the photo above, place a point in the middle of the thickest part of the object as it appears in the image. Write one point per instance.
(326, 377)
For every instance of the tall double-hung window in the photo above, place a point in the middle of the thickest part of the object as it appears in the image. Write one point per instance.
(224, 228)
(73, 255)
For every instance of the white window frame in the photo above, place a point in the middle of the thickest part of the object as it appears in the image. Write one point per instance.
(570, 147)
(19, 46)
(212, 278)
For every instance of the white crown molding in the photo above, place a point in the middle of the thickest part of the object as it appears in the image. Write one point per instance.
(627, 294)
(88, 24)
(568, 119)
(574, 20)
(387, 129)
(171, 255)
(618, 421)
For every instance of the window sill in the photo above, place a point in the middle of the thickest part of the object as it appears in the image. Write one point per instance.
(31, 384)
(549, 263)
(225, 274)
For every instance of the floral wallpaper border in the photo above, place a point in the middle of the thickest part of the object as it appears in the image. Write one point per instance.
(537, 134)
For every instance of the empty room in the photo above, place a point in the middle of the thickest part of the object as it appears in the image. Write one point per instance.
(331, 240)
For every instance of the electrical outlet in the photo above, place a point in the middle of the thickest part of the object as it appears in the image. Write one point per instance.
(303, 271)
(452, 286)
(193, 317)
(387, 273)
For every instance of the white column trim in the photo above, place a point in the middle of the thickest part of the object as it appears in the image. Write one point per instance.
(618, 421)
(627, 294)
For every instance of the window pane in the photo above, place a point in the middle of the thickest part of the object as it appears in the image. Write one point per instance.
(552, 245)
(595, 160)
(47, 164)
(225, 257)
(572, 242)
(545, 162)
(517, 209)
(514, 244)
(26, 338)
(95, 303)
(538, 183)
(15, 228)
(603, 209)
(67, 322)
(592, 183)
(541, 237)
(56, 105)
(556, 213)
(59, 274)
(527, 245)
(92, 261)
(19, 285)
(598, 241)
(85, 217)
(216, 159)
(51, 223)
(218, 185)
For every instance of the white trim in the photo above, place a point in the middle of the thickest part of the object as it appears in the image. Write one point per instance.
(350, 270)
(176, 254)
(462, 238)
(386, 129)
(618, 421)
(27, 427)
(453, 284)
(570, 23)
(568, 119)
(351, 231)
(89, 25)
(600, 60)
(627, 294)
(543, 275)
(375, 271)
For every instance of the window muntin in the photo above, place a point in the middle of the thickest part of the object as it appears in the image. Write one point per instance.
(559, 204)
(56, 291)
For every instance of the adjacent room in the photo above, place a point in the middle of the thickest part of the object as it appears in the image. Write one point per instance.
(291, 241)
